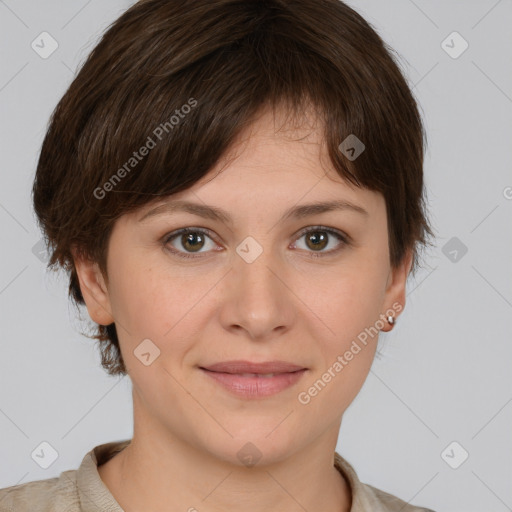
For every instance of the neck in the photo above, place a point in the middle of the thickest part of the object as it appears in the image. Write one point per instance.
(160, 470)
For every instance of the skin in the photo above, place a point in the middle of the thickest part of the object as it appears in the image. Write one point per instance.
(285, 305)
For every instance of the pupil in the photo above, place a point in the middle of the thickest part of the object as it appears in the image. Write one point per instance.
(318, 239)
(189, 239)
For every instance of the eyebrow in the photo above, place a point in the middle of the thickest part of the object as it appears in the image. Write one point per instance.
(218, 214)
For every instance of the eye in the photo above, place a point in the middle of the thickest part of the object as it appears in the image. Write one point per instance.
(193, 240)
(319, 237)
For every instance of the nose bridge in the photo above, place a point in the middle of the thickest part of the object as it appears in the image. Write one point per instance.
(256, 279)
(259, 302)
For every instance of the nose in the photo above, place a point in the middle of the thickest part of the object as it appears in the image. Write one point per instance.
(258, 300)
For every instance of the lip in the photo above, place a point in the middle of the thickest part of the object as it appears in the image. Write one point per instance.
(240, 366)
(232, 375)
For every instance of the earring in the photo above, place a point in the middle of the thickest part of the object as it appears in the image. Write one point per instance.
(391, 320)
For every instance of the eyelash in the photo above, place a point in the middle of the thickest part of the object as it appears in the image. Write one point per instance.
(343, 239)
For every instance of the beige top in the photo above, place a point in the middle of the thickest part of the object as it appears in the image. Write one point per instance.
(82, 490)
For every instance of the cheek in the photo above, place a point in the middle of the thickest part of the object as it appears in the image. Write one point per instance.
(347, 301)
(151, 301)
(145, 301)
(134, 296)
(348, 305)
(350, 311)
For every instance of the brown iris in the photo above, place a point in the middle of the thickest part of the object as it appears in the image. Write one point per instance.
(318, 238)
(190, 241)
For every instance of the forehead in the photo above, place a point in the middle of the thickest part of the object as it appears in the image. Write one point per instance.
(277, 162)
(282, 158)
(276, 149)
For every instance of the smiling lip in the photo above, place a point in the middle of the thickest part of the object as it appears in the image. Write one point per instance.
(255, 380)
(249, 367)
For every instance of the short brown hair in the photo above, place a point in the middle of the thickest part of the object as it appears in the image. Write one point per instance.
(193, 74)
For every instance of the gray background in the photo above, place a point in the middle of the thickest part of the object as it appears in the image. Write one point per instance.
(446, 372)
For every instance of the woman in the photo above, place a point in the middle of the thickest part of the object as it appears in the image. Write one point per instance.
(236, 190)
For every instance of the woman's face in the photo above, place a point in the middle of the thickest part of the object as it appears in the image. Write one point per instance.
(265, 285)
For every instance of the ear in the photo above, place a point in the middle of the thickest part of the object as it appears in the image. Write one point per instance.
(396, 288)
(93, 288)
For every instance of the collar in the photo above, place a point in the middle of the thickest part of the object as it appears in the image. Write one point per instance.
(94, 495)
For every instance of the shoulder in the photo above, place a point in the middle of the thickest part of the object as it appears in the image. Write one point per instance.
(366, 497)
(388, 502)
(57, 494)
(71, 491)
